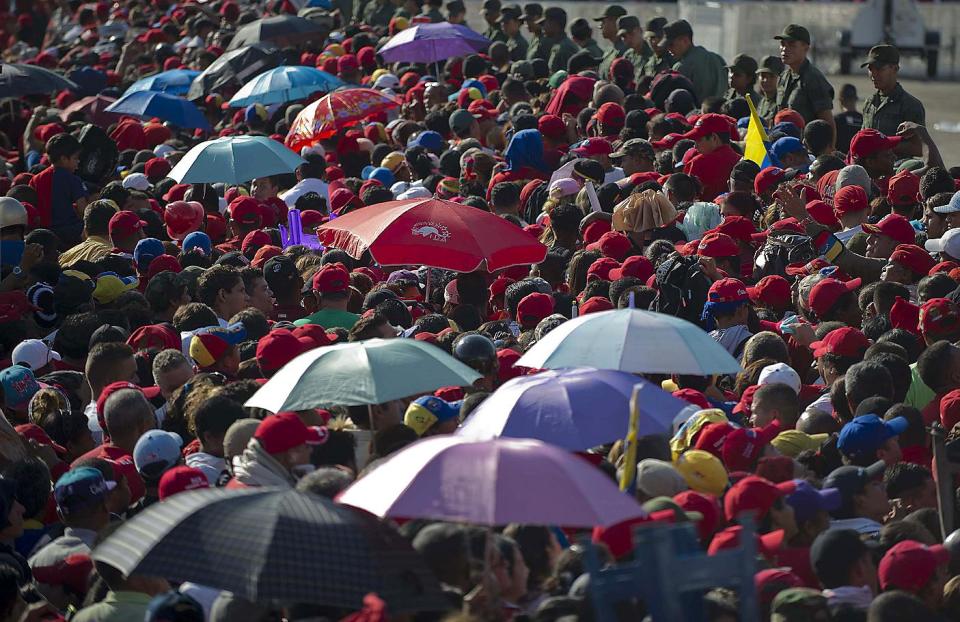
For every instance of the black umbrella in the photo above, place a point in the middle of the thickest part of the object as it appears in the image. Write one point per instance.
(282, 30)
(274, 545)
(18, 80)
(235, 67)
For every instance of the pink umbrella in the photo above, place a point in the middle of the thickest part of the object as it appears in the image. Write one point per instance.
(93, 106)
(493, 482)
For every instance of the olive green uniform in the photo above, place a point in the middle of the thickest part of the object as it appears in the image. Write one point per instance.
(612, 54)
(706, 70)
(518, 47)
(886, 112)
(806, 91)
(561, 50)
(767, 108)
(495, 34)
(539, 48)
(378, 14)
(591, 46)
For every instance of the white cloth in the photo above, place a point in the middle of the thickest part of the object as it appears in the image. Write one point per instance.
(861, 525)
(614, 175)
(856, 596)
(311, 184)
(212, 466)
(93, 423)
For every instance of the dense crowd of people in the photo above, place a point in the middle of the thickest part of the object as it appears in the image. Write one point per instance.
(138, 314)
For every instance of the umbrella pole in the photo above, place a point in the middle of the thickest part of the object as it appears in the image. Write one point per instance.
(427, 294)
(373, 430)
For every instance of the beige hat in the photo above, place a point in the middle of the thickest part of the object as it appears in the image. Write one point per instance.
(642, 212)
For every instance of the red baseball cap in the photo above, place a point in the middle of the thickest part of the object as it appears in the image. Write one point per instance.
(481, 109)
(257, 238)
(125, 224)
(263, 254)
(600, 269)
(246, 210)
(938, 317)
(903, 189)
(737, 227)
(636, 265)
(32, 431)
(499, 286)
(667, 142)
(825, 294)
(595, 305)
(347, 62)
(595, 230)
(790, 116)
(314, 336)
(913, 257)
(611, 114)
(754, 494)
(845, 341)
(533, 308)
(707, 506)
(943, 266)
(283, 431)
(332, 278)
(768, 178)
(850, 199)
(277, 348)
(806, 269)
(893, 226)
(772, 290)
(73, 572)
(717, 245)
(109, 390)
(745, 404)
(697, 398)
(552, 126)
(823, 214)
(612, 244)
(767, 544)
(157, 168)
(711, 437)
(593, 147)
(949, 410)
(909, 565)
(710, 123)
(743, 446)
(727, 290)
(181, 479)
(869, 141)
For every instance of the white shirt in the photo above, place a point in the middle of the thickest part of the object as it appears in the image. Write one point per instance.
(311, 184)
(614, 175)
(93, 423)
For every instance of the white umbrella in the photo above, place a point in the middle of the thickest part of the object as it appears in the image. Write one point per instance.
(234, 160)
(632, 340)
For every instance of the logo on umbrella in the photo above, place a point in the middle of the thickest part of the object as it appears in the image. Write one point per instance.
(432, 231)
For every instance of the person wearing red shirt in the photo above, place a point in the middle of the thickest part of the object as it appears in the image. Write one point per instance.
(715, 157)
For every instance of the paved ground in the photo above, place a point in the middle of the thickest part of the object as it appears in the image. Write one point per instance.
(941, 99)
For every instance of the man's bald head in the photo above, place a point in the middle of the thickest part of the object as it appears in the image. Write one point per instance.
(815, 421)
(127, 414)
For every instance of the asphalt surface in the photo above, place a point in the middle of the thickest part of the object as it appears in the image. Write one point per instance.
(940, 100)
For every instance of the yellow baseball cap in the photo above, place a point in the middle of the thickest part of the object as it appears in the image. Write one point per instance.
(684, 438)
(392, 161)
(792, 442)
(703, 471)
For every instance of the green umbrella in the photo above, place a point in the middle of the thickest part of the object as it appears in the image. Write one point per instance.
(374, 371)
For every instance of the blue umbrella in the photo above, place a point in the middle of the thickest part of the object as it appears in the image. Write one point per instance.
(234, 160)
(431, 43)
(284, 84)
(149, 104)
(173, 82)
(574, 409)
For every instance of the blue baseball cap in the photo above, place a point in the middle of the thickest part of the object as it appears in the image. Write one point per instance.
(79, 488)
(868, 433)
(155, 452)
(383, 175)
(806, 500)
(146, 251)
(784, 146)
(200, 240)
(430, 140)
(19, 385)
(428, 410)
(787, 127)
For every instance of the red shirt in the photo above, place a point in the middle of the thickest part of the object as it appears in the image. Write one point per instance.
(124, 463)
(42, 182)
(713, 170)
(931, 412)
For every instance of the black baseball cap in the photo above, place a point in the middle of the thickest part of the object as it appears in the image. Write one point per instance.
(835, 550)
(743, 64)
(794, 32)
(490, 6)
(554, 14)
(613, 10)
(654, 27)
(456, 6)
(882, 55)
(850, 481)
(770, 64)
(532, 9)
(745, 171)
(679, 28)
(511, 11)
(279, 271)
(627, 23)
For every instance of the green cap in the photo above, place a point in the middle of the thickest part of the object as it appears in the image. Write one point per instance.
(557, 79)
(744, 64)
(627, 23)
(679, 28)
(654, 27)
(665, 504)
(882, 55)
(771, 64)
(799, 604)
(511, 11)
(614, 10)
(794, 32)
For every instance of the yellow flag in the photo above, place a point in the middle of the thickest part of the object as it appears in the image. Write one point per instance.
(755, 148)
(628, 475)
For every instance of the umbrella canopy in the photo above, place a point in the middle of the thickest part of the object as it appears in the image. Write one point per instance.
(432, 232)
(173, 82)
(234, 68)
(273, 545)
(95, 108)
(574, 409)
(494, 482)
(281, 30)
(331, 113)
(150, 104)
(234, 160)
(373, 371)
(431, 43)
(284, 84)
(632, 340)
(19, 80)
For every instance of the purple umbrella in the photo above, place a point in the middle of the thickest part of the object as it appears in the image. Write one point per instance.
(491, 483)
(575, 409)
(431, 43)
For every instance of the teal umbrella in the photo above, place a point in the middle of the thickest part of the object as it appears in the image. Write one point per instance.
(234, 160)
(374, 371)
(284, 84)
(631, 340)
(173, 82)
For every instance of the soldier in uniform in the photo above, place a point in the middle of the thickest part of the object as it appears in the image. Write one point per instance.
(660, 59)
(608, 29)
(491, 14)
(637, 52)
(582, 35)
(742, 74)
(434, 13)
(769, 74)
(378, 13)
(706, 70)
(510, 17)
(802, 87)
(890, 106)
(554, 22)
(532, 13)
(457, 12)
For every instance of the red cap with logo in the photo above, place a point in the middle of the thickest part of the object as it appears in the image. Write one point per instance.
(867, 142)
(743, 446)
(331, 279)
(939, 317)
(910, 566)
(717, 245)
(845, 341)
(727, 290)
(754, 494)
(827, 292)
(767, 179)
(636, 266)
(284, 431)
(850, 199)
(772, 290)
(903, 189)
(710, 123)
(181, 479)
(893, 226)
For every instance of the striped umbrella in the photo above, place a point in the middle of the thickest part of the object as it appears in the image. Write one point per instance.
(331, 113)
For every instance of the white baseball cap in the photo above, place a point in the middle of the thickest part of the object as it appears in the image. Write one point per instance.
(136, 181)
(948, 243)
(780, 373)
(34, 354)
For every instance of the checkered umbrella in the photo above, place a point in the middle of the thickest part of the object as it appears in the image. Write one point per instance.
(274, 545)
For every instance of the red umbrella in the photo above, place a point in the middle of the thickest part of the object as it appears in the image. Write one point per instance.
(331, 113)
(93, 106)
(432, 232)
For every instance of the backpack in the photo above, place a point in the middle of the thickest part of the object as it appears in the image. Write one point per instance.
(781, 249)
(681, 288)
(98, 154)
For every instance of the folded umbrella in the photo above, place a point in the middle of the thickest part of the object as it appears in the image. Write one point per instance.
(493, 482)
(631, 340)
(273, 545)
(281, 30)
(95, 109)
(431, 43)
(19, 80)
(234, 68)
(173, 82)
(150, 104)
(331, 113)
(234, 160)
(284, 84)
(432, 232)
(373, 371)
(574, 409)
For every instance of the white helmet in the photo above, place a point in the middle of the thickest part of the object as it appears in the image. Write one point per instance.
(12, 213)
